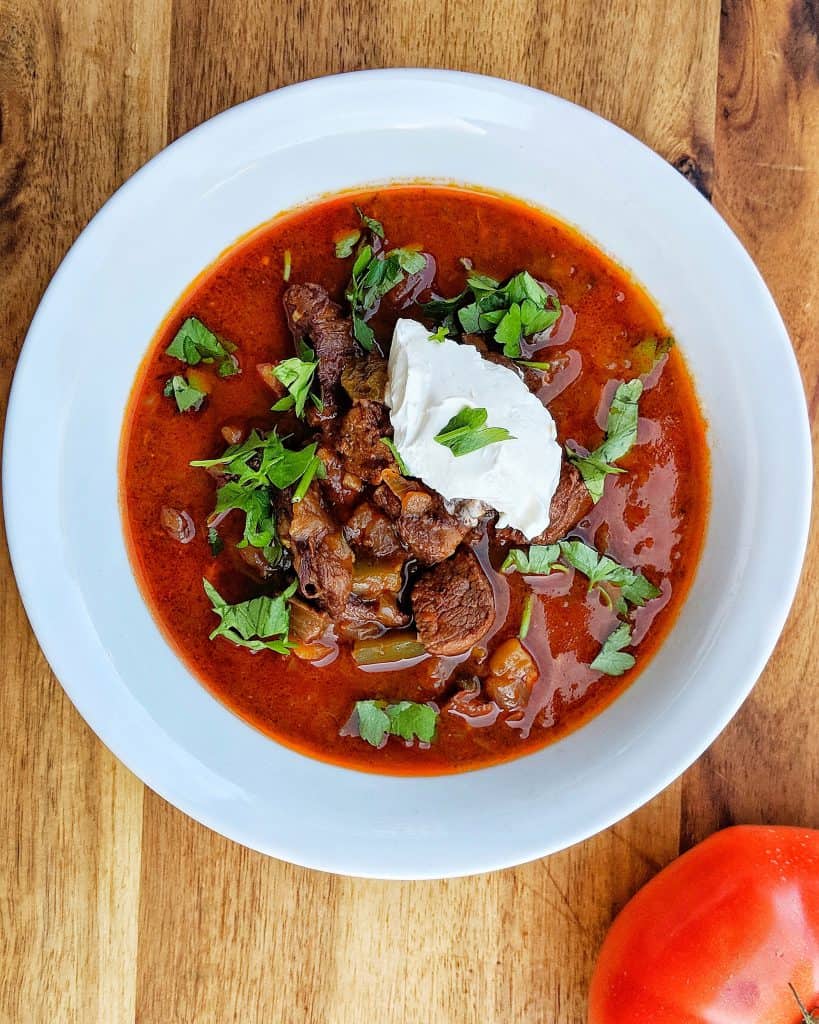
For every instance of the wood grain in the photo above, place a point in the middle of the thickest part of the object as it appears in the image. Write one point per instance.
(115, 907)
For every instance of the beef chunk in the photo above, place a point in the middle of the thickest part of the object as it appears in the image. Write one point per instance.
(321, 556)
(363, 620)
(431, 533)
(358, 441)
(340, 487)
(371, 532)
(570, 503)
(387, 500)
(453, 605)
(424, 524)
(312, 313)
(365, 379)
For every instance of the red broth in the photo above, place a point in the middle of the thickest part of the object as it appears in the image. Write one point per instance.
(652, 517)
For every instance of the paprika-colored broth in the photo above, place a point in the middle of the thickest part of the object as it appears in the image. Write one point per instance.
(651, 517)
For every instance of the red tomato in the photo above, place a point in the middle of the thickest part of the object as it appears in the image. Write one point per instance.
(718, 935)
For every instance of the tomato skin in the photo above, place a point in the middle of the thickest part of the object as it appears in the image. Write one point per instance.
(716, 936)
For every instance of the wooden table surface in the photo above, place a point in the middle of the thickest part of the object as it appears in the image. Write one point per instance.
(114, 906)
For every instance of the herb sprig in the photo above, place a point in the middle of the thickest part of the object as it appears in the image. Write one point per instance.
(621, 434)
(402, 466)
(466, 432)
(599, 569)
(377, 720)
(513, 311)
(186, 395)
(261, 624)
(297, 374)
(374, 273)
(194, 343)
(612, 660)
(254, 467)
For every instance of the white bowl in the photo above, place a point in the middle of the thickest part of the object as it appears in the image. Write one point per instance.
(99, 315)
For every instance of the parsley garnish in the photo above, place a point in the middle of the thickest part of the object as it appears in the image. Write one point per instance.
(516, 310)
(374, 225)
(315, 468)
(377, 720)
(599, 569)
(195, 344)
(526, 616)
(534, 364)
(541, 560)
(347, 243)
(538, 561)
(621, 433)
(215, 541)
(260, 526)
(402, 466)
(261, 624)
(373, 276)
(297, 375)
(439, 336)
(187, 396)
(611, 658)
(466, 432)
(255, 466)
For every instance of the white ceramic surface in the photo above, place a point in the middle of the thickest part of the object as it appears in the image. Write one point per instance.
(97, 318)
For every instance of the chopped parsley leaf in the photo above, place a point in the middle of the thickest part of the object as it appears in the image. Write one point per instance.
(402, 466)
(261, 624)
(253, 468)
(526, 616)
(187, 396)
(516, 310)
(374, 225)
(611, 659)
(599, 569)
(347, 243)
(621, 434)
(373, 275)
(410, 721)
(194, 343)
(297, 375)
(466, 432)
(540, 560)
(315, 468)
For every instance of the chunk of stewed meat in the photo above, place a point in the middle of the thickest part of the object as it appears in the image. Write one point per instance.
(512, 674)
(432, 535)
(571, 502)
(364, 620)
(453, 605)
(311, 313)
(424, 526)
(371, 532)
(340, 487)
(358, 441)
(321, 556)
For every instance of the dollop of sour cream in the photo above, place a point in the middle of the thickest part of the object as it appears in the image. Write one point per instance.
(429, 382)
